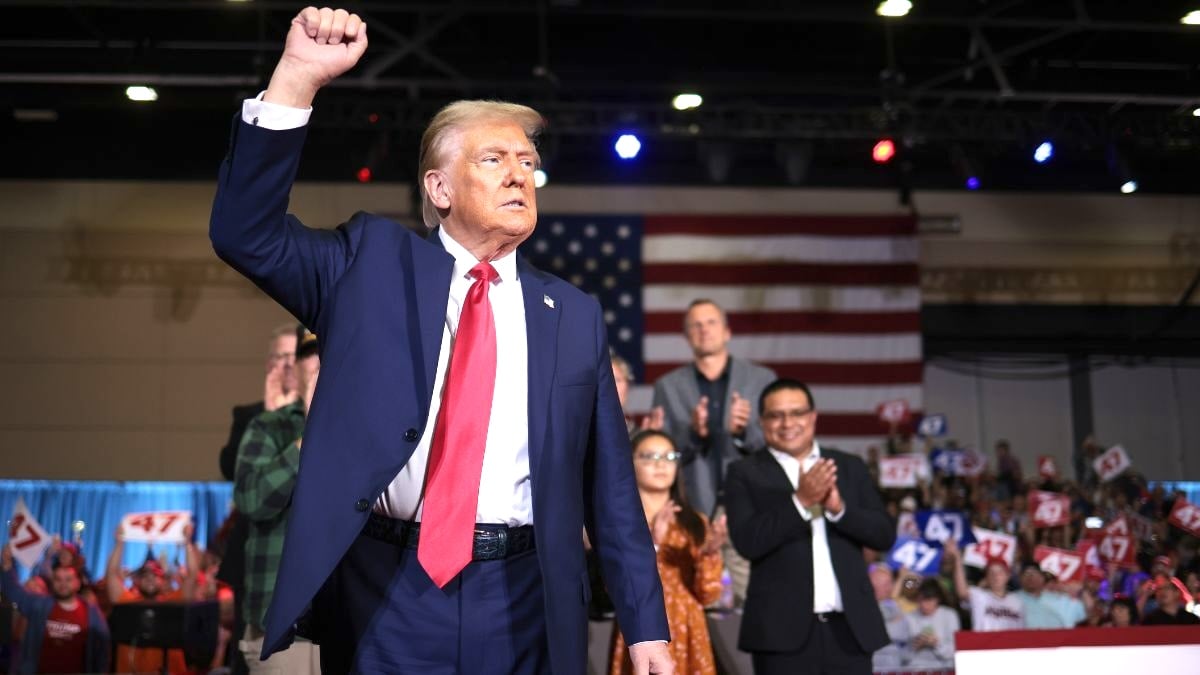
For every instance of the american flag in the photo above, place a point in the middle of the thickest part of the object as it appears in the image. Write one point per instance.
(831, 300)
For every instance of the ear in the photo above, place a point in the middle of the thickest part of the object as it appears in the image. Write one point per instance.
(438, 188)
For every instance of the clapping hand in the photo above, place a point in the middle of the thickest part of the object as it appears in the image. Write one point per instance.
(717, 535)
(700, 418)
(661, 523)
(816, 483)
(739, 414)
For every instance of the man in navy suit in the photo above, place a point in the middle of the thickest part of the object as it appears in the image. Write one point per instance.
(387, 305)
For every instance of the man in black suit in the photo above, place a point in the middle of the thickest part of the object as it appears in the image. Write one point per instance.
(802, 514)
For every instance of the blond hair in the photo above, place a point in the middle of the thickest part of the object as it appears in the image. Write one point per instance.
(453, 118)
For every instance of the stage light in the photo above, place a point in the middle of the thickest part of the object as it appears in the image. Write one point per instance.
(1195, 112)
(893, 8)
(1192, 18)
(972, 182)
(363, 175)
(627, 146)
(1093, 523)
(139, 93)
(687, 101)
(1129, 187)
(539, 178)
(1044, 152)
(884, 151)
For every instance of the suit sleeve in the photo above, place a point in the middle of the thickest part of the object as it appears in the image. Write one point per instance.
(251, 230)
(759, 526)
(754, 436)
(614, 518)
(865, 519)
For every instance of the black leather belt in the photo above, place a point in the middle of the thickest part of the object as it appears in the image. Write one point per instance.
(824, 617)
(492, 542)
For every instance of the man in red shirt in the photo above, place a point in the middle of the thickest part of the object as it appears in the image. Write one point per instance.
(66, 634)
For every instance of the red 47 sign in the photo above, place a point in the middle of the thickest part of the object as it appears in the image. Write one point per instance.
(1049, 509)
(1119, 549)
(1110, 465)
(1186, 516)
(990, 545)
(26, 537)
(1047, 468)
(893, 412)
(158, 526)
(898, 472)
(1063, 564)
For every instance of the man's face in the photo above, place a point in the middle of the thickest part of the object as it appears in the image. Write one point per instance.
(489, 183)
(1032, 580)
(1167, 595)
(881, 582)
(997, 578)
(65, 583)
(149, 584)
(283, 358)
(789, 422)
(706, 331)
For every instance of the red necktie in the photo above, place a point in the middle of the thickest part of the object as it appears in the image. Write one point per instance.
(456, 453)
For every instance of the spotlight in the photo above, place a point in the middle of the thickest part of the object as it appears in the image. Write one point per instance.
(363, 175)
(539, 178)
(687, 101)
(893, 8)
(627, 146)
(1044, 152)
(1192, 18)
(884, 151)
(972, 182)
(967, 168)
(1129, 187)
(139, 93)
(1195, 112)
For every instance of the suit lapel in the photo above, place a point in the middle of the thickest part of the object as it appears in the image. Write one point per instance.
(541, 329)
(432, 279)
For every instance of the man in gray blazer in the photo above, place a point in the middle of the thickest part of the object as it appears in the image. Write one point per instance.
(708, 410)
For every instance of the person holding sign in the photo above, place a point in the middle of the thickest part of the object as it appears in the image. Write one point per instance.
(802, 515)
(150, 585)
(1045, 608)
(992, 606)
(268, 462)
(66, 634)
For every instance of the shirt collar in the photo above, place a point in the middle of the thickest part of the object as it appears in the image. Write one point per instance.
(811, 457)
(464, 260)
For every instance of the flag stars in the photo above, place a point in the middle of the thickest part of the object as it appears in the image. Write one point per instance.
(541, 246)
(577, 279)
(624, 335)
(624, 265)
(557, 228)
(625, 300)
(590, 230)
(610, 282)
(623, 231)
(590, 264)
(574, 247)
(610, 317)
(558, 263)
(607, 248)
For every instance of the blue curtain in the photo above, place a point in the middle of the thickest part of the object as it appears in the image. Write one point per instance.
(101, 504)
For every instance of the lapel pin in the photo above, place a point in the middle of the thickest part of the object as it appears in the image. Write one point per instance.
(549, 301)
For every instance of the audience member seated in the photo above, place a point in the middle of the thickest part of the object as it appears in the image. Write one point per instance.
(689, 556)
(932, 628)
(65, 634)
(891, 656)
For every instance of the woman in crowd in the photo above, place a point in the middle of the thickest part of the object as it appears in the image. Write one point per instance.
(932, 629)
(689, 557)
(1123, 613)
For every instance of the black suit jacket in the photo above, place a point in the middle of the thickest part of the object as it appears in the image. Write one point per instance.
(768, 530)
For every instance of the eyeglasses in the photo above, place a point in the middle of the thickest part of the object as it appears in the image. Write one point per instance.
(793, 415)
(655, 457)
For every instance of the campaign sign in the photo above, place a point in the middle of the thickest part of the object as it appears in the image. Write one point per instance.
(933, 426)
(1186, 516)
(1049, 509)
(972, 463)
(948, 462)
(156, 526)
(1110, 465)
(1066, 566)
(899, 471)
(893, 412)
(1119, 549)
(1119, 525)
(937, 526)
(1047, 467)
(26, 537)
(990, 545)
(906, 526)
(916, 555)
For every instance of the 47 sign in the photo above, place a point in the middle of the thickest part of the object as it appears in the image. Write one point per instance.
(915, 555)
(1186, 516)
(1063, 564)
(1049, 509)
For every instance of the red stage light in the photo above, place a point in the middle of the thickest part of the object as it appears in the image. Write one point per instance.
(884, 151)
(364, 174)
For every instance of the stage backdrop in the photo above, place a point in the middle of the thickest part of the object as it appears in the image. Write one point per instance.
(831, 300)
(101, 504)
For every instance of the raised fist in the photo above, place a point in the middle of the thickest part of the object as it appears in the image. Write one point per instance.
(321, 45)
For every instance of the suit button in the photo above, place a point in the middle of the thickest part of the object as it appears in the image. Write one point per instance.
(361, 505)
(410, 435)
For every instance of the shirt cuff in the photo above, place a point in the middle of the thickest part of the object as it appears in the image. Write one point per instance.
(273, 116)
(832, 517)
(647, 642)
(800, 507)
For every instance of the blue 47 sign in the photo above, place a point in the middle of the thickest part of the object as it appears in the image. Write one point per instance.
(932, 426)
(937, 526)
(915, 555)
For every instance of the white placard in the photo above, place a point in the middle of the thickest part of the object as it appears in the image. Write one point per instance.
(899, 471)
(26, 537)
(156, 526)
(1110, 465)
(990, 545)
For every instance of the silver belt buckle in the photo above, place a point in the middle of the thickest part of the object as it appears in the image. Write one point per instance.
(823, 617)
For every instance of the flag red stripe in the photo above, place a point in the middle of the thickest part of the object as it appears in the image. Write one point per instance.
(904, 372)
(742, 225)
(778, 274)
(798, 322)
(850, 424)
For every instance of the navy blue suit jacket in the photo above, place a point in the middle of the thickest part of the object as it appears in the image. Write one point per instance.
(376, 294)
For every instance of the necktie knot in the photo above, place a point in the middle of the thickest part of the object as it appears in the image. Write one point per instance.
(484, 272)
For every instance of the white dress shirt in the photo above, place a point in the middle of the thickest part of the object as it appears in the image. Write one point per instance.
(504, 491)
(827, 595)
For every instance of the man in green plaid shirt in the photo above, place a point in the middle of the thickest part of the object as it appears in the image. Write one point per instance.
(268, 462)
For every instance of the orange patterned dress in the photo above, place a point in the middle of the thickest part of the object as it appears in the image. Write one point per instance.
(690, 581)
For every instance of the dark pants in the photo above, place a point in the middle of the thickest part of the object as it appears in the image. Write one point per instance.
(380, 613)
(831, 650)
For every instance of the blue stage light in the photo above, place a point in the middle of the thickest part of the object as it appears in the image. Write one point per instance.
(972, 182)
(1044, 152)
(627, 146)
